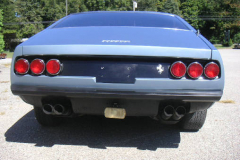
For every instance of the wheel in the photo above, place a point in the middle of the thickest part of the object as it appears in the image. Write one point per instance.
(193, 121)
(44, 119)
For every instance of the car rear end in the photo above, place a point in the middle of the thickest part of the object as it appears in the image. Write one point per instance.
(118, 71)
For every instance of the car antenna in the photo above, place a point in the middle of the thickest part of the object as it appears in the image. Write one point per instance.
(198, 32)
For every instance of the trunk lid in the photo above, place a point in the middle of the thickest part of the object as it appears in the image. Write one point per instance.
(167, 40)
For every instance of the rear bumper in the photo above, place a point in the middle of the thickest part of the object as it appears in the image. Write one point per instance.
(136, 103)
(183, 95)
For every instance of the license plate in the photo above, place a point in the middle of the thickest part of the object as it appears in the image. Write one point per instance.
(117, 113)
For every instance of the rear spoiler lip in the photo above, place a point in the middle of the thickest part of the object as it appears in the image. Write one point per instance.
(117, 50)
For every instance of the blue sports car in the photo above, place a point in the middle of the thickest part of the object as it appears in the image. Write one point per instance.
(119, 64)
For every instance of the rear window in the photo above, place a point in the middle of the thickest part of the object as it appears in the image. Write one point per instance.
(121, 19)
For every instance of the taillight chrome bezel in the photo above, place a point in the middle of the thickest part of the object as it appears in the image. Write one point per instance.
(24, 72)
(190, 66)
(207, 66)
(173, 65)
(43, 67)
(59, 65)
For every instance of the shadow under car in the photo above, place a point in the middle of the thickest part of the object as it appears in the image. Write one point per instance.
(143, 133)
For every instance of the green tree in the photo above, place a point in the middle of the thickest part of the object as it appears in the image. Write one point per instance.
(217, 16)
(56, 9)
(75, 6)
(29, 14)
(10, 29)
(190, 12)
(150, 5)
(52, 10)
(95, 5)
(108, 5)
(171, 6)
(1, 36)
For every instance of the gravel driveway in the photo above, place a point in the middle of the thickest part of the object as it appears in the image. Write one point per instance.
(91, 137)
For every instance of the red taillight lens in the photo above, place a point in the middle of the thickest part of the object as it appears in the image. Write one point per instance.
(178, 69)
(21, 66)
(195, 70)
(53, 66)
(211, 70)
(37, 66)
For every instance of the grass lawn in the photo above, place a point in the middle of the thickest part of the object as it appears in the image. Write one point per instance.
(9, 54)
(219, 46)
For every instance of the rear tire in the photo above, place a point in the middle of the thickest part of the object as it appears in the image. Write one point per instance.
(193, 121)
(44, 119)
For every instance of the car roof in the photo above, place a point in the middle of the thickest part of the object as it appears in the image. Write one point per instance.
(125, 12)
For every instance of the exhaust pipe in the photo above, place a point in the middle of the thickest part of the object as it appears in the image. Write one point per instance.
(59, 109)
(167, 112)
(179, 113)
(48, 109)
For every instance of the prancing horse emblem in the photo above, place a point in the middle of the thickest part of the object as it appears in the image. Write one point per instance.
(160, 68)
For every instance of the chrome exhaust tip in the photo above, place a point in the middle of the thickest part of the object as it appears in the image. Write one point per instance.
(59, 109)
(48, 109)
(167, 112)
(179, 113)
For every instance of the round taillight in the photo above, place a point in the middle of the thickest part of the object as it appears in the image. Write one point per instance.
(178, 69)
(211, 70)
(53, 66)
(195, 70)
(37, 66)
(21, 66)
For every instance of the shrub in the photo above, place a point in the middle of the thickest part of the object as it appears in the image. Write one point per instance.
(227, 44)
(230, 43)
(1, 36)
(214, 40)
(236, 38)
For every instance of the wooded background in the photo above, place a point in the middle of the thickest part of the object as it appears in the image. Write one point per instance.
(24, 18)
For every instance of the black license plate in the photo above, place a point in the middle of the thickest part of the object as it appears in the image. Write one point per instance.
(116, 73)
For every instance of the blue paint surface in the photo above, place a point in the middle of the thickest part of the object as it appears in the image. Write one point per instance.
(136, 36)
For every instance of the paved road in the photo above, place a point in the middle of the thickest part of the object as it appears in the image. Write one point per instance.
(133, 138)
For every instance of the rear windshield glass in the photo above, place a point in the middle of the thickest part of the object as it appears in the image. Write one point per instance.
(121, 19)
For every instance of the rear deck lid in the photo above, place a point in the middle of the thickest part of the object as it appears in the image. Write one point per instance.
(118, 40)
